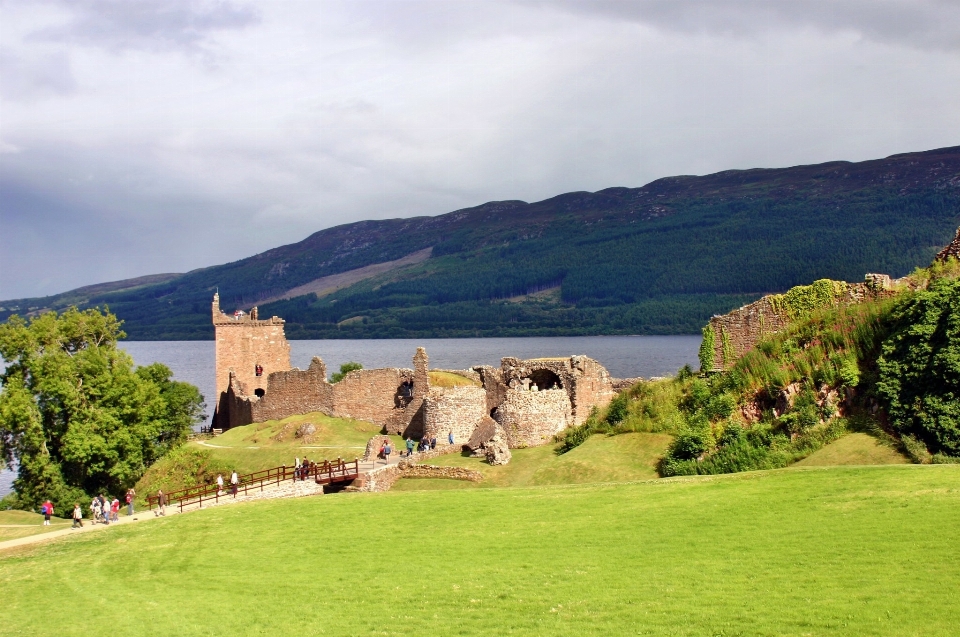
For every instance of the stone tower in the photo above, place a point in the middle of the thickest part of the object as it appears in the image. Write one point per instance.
(249, 347)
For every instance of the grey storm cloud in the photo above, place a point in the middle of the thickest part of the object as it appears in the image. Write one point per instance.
(160, 136)
(155, 25)
(916, 23)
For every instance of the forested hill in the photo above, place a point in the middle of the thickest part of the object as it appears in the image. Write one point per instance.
(658, 259)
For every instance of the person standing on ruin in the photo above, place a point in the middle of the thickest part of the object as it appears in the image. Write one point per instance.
(409, 446)
(450, 438)
(387, 450)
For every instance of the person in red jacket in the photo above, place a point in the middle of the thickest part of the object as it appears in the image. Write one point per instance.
(47, 510)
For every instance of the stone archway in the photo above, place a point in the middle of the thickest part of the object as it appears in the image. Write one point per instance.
(545, 379)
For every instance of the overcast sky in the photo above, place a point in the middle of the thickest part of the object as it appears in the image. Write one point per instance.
(139, 137)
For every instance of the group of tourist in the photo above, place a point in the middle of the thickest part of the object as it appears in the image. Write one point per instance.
(234, 483)
(305, 469)
(103, 510)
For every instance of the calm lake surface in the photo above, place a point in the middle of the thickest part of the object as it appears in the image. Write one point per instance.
(623, 356)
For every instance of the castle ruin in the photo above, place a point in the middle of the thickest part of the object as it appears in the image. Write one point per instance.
(527, 401)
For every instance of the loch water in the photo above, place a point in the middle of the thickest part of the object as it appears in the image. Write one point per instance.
(623, 356)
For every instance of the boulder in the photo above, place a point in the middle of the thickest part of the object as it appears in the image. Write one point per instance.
(483, 434)
(305, 430)
(497, 451)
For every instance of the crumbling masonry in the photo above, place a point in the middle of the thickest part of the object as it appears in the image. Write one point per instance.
(527, 402)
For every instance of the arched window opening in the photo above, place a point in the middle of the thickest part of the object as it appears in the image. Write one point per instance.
(545, 379)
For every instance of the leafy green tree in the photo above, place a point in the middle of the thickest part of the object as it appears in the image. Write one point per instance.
(919, 369)
(75, 415)
(345, 369)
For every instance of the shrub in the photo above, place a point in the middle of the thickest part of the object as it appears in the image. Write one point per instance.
(345, 369)
(919, 369)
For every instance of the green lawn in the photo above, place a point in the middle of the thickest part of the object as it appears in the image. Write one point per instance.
(600, 459)
(853, 449)
(17, 524)
(821, 551)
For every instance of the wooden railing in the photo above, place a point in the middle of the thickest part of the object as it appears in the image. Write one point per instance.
(325, 472)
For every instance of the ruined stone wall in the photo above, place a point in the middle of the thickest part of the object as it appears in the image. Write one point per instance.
(586, 382)
(242, 344)
(952, 250)
(370, 394)
(492, 380)
(592, 387)
(457, 409)
(295, 392)
(532, 418)
(738, 332)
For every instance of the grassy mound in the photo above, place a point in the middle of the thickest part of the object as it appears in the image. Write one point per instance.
(275, 442)
(854, 449)
(838, 551)
(600, 459)
(449, 379)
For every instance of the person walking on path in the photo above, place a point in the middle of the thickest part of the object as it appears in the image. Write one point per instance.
(161, 503)
(131, 496)
(115, 510)
(219, 484)
(77, 516)
(234, 482)
(47, 510)
(94, 510)
(409, 446)
(387, 451)
(104, 509)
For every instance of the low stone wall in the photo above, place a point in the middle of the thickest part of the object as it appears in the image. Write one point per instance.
(453, 409)
(533, 418)
(382, 478)
(448, 473)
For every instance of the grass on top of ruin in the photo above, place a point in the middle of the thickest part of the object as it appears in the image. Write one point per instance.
(449, 379)
(823, 551)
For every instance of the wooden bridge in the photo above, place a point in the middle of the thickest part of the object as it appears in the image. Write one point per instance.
(326, 472)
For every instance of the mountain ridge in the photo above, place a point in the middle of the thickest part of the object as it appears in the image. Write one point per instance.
(624, 258)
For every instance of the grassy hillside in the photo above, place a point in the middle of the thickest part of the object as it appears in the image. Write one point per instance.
(17, 524)
(854, 449)
(600, 459)
(256, 447)
(658, 259)
(859, 551)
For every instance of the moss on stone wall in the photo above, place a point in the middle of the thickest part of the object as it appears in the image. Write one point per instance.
(707, 355)
(797, 303)
(729, 355)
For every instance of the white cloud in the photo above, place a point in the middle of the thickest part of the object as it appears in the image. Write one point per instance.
(179, 135)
